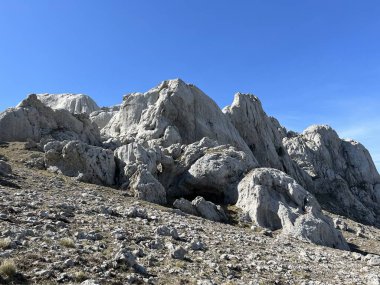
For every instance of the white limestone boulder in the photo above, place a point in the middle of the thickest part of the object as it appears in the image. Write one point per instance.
(200, 207)
(74, 103)
(144, 186)
(218, 172)
(77, 159)
(276, 201)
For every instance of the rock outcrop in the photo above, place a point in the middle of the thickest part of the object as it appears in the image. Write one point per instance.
(345, 177)
(174, 144)
(203, 168)
(32, 120)
(173, 112)
(74, 103)
(77, 159)
(264, 136)
(276, 201)
(217, 172)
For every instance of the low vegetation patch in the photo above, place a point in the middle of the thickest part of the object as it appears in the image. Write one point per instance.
(8, 268)
(67, 242)
(5, 243)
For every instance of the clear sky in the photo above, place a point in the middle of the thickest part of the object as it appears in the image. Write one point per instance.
(308, 61)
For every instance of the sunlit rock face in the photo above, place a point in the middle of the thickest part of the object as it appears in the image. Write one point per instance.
(345, 177)
(173, 112)
(263, 135)
(74, 103)
(32, 120)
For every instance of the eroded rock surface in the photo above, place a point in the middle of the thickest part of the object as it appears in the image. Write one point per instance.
(276, 201)
(173, 112)
(345, 177)
(74, 103)
(200, 207)
(263, 135)
(102, 117)
(32, 120)
(146, 187)
(76, 159)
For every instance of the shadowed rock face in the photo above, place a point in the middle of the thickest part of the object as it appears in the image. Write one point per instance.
(33, 120)
(345, 177)
(74, 103)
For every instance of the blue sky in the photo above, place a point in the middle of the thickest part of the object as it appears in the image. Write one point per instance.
(308, 61)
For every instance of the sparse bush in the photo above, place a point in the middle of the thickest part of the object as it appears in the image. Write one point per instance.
(5, 243)
(67, 242)
(8, 268)
(80, 276)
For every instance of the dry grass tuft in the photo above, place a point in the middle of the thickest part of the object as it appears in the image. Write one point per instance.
(5, 243)
(67, 242)
(8, 268)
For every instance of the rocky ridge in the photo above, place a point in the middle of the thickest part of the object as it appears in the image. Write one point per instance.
(173, 146)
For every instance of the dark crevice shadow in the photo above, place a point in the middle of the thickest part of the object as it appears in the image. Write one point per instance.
(9, 184)
(355, 248)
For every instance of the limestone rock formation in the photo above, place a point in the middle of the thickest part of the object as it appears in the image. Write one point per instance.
(146, 187)
(217, 173)
(102, 117)
(276, 201)
(200, 207)
(174, 144)
(173, 112)
(345, 177)
(77, 159)
(74, 103)
(33, 120)
(264, 136)
(202, 168)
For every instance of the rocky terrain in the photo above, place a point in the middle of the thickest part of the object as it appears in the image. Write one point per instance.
(169, 189)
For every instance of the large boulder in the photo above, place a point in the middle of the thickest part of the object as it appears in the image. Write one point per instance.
(32, 120)
(77, 159)
(133, 155)
(345, 177)
(276, 201)
(74, 103)
(200, 207)
(218, 172)
(263, 135)
(173, 112)
(145, 187)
